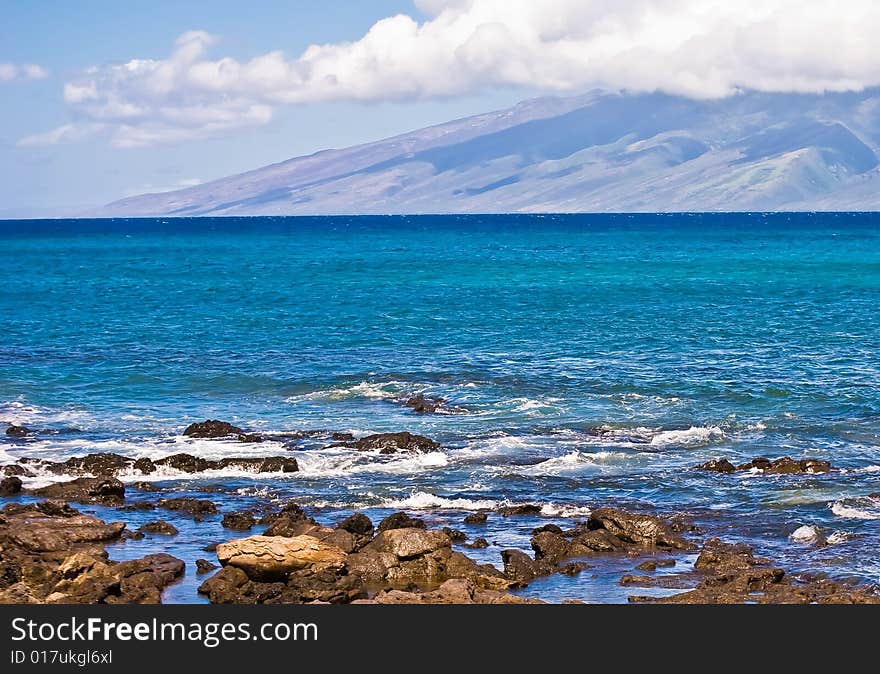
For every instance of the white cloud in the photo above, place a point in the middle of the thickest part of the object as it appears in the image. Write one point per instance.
(23, 71)
(66, 133)
(696, 48)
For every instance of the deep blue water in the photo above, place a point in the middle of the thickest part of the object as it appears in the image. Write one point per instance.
(682, 337)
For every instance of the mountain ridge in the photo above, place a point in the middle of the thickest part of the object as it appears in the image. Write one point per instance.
(599, 152)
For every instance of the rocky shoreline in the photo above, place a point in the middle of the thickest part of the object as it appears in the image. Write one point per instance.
(50, 552)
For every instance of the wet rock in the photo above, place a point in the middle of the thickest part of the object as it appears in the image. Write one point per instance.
(455, 535)
(101, 464)
(290, 521)
(97, 490)
(573, 568)
(250, 437)
(144, 486)
(422, 404)
(17, 431)
(525, 509)
(204, 566)
(547, 527)
(88, 580)
(476, 518)
(717, 466)
(145, 465)
(15, 470)
(190, 506)
(238, 521)
(188, 463)
(10, 486)
(391, 443)
(159, 527)
(643, 530)
(401, 520)
(520, 567)
(211, 547)
(138, 506)
(453, 591)
(273, 557)
(212, 428)
(782, 465)
(478, 544)
(552, 548)
(653, 564)
(341, 436)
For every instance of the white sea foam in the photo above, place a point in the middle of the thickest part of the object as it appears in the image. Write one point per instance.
(556, 510)
(335, 463)
(17, 412)
(421, 500)
(838, 537)
(693, 436)
(805, 534)
(364, 389)
(842, 509)
(574, 461)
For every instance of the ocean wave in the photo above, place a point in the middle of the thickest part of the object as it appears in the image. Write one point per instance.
(693, 436)
(575, 461)
(20, 413)
(365, 389)
(851, 511)
(805, 534)
(421, 500)
(339, 463)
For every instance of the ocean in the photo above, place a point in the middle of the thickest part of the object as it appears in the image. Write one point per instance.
(584, 360)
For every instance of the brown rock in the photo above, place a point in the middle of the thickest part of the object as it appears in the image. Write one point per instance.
(717, 466)
(238, 521)
(476, 518)
(408, 543)
(212, 428)
(643, 530)
(102, 491)
(401, 520)
(424, 405)
(10, 486)
(204, 566)
(191, 506)
(525, 509)
(17, 431)
(274, 557)
(391, 443)
(160, 527)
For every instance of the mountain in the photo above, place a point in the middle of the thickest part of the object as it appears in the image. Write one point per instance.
(597, 152)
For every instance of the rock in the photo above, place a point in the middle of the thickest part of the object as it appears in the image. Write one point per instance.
(551, 548)
(643, 530)
(17, 431)
(408, 543)
(391, 443)
(144, 486)
(526, 509)
(145, 465)
(401, 520)
(455, 535)
(290, 522)
(191, 506)
(424, 405)
(717, 466)
(250, 437)
(204, 566)
(782, 465)
(101, 491)
(212, 428)
(573, 568)
(14, 470)
(101, 464)
(188, 463)
(478, 544)
(138, 506)
(358, 524)
(653, 564)
(453, 591)
(225, 587)
(238, 521)
(520, 567)
(10, 486)
(476, 518)
(160, 527)
(35, 532)
(553, 528)
(211, 547)
(273, 557)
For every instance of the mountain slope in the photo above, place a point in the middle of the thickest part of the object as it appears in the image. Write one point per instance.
(598, 152)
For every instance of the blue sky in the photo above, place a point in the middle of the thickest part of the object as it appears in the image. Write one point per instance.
(103, 99)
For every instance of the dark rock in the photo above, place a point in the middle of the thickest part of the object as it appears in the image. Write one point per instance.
(10, 486)
(212, 428)
(210, 547)
(160, 527)
(191, 506)
(424, 405)
(101, 464)
(17, 431)
(358, 524)
(717, 466)
(340, 436)
(455, 535)
(138, 505)
(520, 567)
(477, 544)
(188, 463)
(643, 530)
(204, 566)
(238, 521)
(250, 437)
(16, 470)
(547, 527)
(391, 443)
(291, 521)
(525, 509)
(401, 520)
(145, 465)
(654, 564)
(144, 486)
(98, 490)
(551, 548)
(476, 518)
(573, 568)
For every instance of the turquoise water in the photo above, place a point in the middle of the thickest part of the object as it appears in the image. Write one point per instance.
(681, 337)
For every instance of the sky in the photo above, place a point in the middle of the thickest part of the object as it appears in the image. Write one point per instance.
(104, 99)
